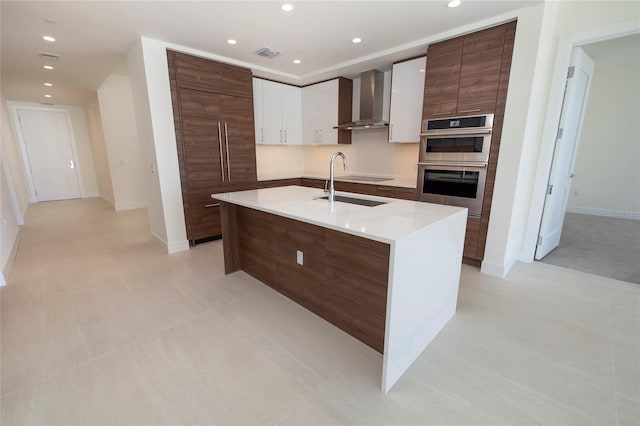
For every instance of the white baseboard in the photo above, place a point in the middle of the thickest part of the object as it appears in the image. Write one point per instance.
(132, 205)
(90, 195)
(6, 268)
(175, 247)
(497, 270)
(613, 213)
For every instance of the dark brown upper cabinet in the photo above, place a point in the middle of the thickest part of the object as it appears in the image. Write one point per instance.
(463, 74)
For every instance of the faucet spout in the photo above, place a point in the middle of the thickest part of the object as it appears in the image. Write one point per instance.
(332, 191)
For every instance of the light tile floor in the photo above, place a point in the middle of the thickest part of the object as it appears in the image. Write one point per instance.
(99, 326)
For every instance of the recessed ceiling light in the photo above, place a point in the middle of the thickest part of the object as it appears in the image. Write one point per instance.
(287, 7)
(48, 84)
(232, 41)
(454, 3)
(357, 40)
(48, 38)
(48, 96)
(296, 61)
(48, 67)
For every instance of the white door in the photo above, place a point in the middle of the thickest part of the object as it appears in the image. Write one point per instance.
(47, 139)
(564, 156)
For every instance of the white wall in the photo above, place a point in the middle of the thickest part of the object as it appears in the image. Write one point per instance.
(11, 207)
(9, 225)
(99, 150)
(11, 153)
(608, 161)
(148, 68)
(121, 140)
(84, 163)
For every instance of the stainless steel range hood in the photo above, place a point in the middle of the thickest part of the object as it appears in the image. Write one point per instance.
(371, 99)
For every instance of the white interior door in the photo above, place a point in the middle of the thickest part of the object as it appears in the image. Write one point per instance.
(47, 139)
(564, 155)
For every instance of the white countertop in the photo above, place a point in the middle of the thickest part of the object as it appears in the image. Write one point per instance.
(398, 181)
(386, 223)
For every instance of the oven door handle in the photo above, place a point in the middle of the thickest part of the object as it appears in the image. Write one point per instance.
(448, 164)
(457, 132)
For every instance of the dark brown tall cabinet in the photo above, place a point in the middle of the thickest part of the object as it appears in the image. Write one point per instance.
(213, 117)
(469, 75)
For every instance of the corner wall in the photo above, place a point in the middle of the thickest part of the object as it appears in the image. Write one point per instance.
(121, 140)
(99, 150)
(11, 207)
(148, 69)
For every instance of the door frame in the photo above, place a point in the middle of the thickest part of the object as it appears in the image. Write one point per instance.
(15, 107)
(566, 44)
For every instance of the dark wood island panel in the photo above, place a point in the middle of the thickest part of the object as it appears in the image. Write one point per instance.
(343, 278)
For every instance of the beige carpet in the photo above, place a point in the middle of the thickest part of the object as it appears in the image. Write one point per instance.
(598, 245)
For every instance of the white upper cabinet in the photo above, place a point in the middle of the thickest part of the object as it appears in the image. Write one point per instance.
(320, 113)
(258, 115)
(407, 92)
(277, 113)
(292, 114)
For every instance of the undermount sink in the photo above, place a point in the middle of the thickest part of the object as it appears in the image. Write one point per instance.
(351, 200)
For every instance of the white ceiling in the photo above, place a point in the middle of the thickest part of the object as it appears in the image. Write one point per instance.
(93, 37)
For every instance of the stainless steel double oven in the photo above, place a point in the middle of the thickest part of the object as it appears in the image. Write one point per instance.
(454, 154)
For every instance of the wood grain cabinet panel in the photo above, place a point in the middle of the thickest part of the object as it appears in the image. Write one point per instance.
(471, 237)
(304, 284)
(442, 78)
(343, 278)
(356, 286)
(206, 75)
(480, 71)
(255, 244)
(214, 136)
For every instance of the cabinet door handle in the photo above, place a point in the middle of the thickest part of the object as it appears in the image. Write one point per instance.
(440, 113)
(391, 131)
(470, 110)
(226, 137)
(280, 135)
(212, 205)
(285, 135)
(262, 134)
(221, 155)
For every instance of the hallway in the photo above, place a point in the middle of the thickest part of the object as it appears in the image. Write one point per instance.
(99, 326)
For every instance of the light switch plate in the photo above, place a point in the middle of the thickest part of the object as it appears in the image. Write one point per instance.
(299, 257)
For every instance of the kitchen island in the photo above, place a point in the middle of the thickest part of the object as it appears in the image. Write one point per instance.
(386, 274)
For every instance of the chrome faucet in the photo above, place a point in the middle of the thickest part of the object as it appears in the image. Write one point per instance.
(332, 190)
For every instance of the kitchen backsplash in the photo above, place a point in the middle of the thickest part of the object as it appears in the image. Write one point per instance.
(369, 153)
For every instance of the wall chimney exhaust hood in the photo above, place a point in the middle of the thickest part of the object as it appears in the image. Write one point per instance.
(371, 99)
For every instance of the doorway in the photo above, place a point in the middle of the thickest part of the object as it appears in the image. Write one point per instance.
(49, 153)
(601, 216)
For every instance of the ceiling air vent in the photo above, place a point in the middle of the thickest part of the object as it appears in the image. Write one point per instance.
(267, 52)
(46, 103)
(47, 55)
